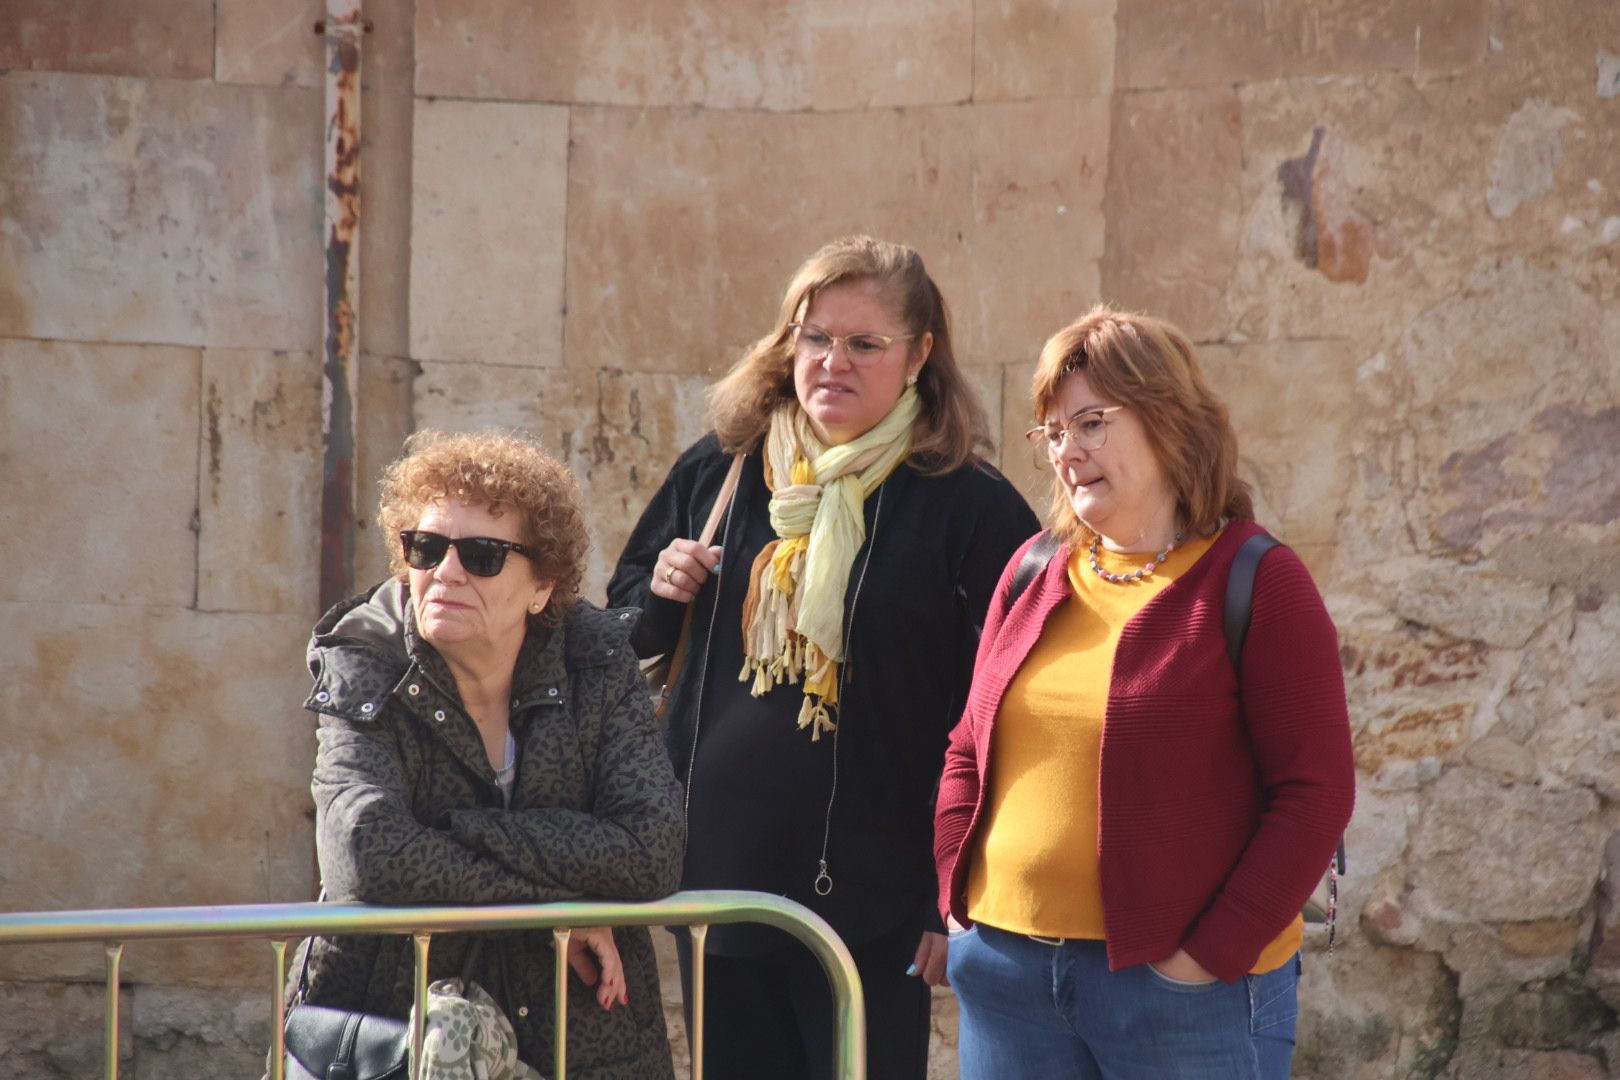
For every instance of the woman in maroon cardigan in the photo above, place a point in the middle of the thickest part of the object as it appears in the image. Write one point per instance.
(1128, 824)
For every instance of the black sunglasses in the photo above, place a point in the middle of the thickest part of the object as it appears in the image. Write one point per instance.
(482, 556)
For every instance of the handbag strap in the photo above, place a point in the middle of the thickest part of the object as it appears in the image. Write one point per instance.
(677, 656)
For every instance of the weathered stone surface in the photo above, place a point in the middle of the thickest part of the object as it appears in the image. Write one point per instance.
(274, 43)
(159, 211)
(161, 39)
(1468, 851)
(985, 382)
(1021, 467)
(1293, 457)
(1503, 757)
(1205, 42)
(1486, 468)
(1369, 1014)
(1527, 152)
(269, 42)
(385, 222)
(74, 419)
(944, 1021)
(1605, 969)
(129, 729)
(259, 492)
(182, 1031)
(487, 257)
(52, 1030)
(679, 268)
(1608, 74)
(1026, 49)
(1497, 608)
(1174, 206)
(619, 432)
(1360, 211)
(832, 54)
(1544, 937)
(1375, 848)
(386, 418)
(1413, 693)
(1541, 50)
(1566, 1065)
(1550, 1015)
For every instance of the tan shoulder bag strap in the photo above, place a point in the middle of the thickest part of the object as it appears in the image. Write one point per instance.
(677, 656)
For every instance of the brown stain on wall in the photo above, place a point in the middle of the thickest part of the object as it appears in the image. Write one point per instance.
(1417, 733)
(1331, 235)
(1296, 176)
(1417, 663)
(212, 409)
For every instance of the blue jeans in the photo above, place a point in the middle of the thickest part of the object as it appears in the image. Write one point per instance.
(1031, 1011)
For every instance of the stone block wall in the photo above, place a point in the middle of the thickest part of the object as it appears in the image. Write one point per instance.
(1393, 228)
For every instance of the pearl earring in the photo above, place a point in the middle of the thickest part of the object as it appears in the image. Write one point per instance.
(911, 380)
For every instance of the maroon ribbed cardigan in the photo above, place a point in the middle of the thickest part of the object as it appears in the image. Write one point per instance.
(1214, 824)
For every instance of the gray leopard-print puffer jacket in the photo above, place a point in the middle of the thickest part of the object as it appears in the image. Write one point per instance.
(408, 811)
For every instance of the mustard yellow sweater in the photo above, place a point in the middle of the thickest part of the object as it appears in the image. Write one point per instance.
(1035, 870)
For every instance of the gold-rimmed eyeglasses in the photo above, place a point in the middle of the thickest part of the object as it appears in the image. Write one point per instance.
(811, 342)
(1086, 429)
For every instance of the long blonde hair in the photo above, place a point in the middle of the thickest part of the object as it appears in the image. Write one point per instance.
(952, 427)
(1150, 366)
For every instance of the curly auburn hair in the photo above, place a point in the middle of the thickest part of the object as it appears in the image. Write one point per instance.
(500, 471)
(1150, 366)
(951, 429)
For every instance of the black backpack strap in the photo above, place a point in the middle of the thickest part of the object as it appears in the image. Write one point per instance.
(1030, 566)
(1239, 605)
(1240, 592)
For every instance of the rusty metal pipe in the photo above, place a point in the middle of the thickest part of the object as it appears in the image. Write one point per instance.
(340, 368)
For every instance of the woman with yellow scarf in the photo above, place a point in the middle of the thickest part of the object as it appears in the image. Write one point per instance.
(833, 625)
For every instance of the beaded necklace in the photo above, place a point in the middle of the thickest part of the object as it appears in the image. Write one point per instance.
(1134, 575)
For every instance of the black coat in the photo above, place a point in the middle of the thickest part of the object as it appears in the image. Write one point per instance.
(761, 798)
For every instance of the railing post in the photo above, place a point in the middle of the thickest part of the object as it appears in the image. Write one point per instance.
(419, 1011)
(278, 1019)
(109, 1053)
(559, 1053)
(700, 938)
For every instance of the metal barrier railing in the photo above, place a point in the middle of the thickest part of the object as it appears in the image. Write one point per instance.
(281, 922)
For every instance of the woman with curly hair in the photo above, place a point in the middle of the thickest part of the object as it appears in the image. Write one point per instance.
(830, 659)
(485, 737)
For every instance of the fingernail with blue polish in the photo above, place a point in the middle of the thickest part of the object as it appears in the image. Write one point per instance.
(911, 969)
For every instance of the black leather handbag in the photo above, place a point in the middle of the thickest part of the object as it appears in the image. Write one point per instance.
(340, 1044)
(324, 1043)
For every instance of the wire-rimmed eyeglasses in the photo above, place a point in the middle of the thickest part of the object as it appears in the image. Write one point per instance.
(1086, 429)
(811, 342)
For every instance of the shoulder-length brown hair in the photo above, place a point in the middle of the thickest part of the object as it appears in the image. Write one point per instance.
(951, 428)
(1149, 366)
(506, 473)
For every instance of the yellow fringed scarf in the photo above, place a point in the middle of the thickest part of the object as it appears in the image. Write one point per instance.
(793, 615)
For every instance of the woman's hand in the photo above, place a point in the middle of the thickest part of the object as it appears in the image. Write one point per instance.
(929, 963)
(682, 568)
(595, 959)
(1183, 968)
